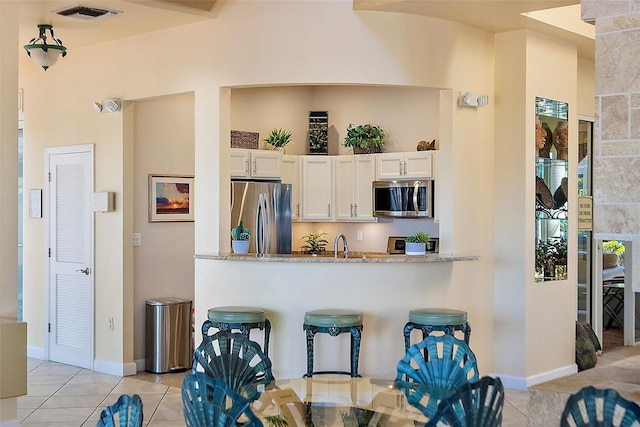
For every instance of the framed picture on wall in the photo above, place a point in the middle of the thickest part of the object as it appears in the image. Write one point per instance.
(170, 198)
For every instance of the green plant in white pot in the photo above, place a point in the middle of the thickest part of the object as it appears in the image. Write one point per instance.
(416, 244)
(240, 239)
(278, 139)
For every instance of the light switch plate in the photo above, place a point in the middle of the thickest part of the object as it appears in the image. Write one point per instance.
(35, 203)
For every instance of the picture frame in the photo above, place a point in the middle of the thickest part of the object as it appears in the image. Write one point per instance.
(433, 246)
(171, 198)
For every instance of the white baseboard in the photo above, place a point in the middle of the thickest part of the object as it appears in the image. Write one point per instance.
(104, 367)
(113, 368)
(36, 353)
(140, 364)
(522, 383)
(11, 423)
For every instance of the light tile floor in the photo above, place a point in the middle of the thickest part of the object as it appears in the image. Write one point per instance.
(61, 395)
(616, 369)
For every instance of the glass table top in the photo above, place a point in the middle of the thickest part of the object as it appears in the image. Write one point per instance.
(336, 401)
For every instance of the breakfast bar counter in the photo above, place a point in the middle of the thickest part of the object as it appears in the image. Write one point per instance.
(352, 258)
(383, 287)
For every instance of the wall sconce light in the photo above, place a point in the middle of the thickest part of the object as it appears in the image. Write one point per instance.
(470, 99)
(109, 105)
(44, 54)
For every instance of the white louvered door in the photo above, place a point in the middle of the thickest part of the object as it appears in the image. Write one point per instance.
(71, 256)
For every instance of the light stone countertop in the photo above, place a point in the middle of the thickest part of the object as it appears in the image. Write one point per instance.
(353, 258)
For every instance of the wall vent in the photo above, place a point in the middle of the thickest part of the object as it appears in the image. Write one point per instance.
(84, 12)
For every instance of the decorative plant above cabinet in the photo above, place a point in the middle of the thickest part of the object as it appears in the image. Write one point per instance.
(278, 139)
(364, 139)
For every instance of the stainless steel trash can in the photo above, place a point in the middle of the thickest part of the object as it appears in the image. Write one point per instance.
(168, 341)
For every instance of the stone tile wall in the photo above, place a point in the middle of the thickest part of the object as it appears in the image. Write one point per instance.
(616, 151)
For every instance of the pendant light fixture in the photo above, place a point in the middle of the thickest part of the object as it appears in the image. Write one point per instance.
(44, 54)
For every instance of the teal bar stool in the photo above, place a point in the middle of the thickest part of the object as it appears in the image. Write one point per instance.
(445, 320)
(240, 318)
(333, 322)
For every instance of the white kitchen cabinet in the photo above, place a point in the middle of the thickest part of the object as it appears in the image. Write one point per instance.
(291, 175)
(353, 177)
(414, 165)
(317, 185)
(261, 164)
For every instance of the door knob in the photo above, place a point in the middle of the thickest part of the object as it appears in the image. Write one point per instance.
(83, 270)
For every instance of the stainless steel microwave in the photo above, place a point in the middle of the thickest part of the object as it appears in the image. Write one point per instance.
(403, 199)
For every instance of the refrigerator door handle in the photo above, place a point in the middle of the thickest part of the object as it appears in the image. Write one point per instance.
(266, 222)
(263, 232)
(259, 225)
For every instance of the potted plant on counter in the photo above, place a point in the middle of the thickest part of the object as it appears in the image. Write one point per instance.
(364, 139)
(416, 244)
(315, 243)
(240, 239)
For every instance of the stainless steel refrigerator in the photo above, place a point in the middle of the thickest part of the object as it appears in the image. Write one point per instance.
(265, 209)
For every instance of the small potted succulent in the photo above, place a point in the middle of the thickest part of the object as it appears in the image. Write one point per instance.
(364, 139)
(240, 239)
(278, 139)
(416, 244)
(315, 243)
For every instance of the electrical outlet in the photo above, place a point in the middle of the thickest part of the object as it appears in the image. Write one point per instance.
(137, 239)
(112, 326)
(359, 235)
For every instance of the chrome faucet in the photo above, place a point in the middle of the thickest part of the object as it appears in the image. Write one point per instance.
(335, 246)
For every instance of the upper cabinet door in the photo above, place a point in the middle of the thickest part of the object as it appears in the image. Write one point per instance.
(389, 165)
(317, 184)
(344, 190)
(266, 164)
(291, 175)
(239, 163)
(416, 165)
(364, 175)
(261, 164)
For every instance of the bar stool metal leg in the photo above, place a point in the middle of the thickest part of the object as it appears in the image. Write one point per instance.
(267, 333)
(310, 333)
(356, 334)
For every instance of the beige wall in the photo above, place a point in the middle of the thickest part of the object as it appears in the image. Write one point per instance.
(586, 89)
(163, 265)
(407, 115)
(357, 48)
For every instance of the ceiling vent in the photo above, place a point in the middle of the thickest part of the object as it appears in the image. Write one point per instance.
(87, 13)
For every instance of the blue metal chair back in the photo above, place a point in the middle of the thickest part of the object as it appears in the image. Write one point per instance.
(210, 402)
(128, 411)
(233, 358)
(599, 408)
(477, 404)
(433, 369)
